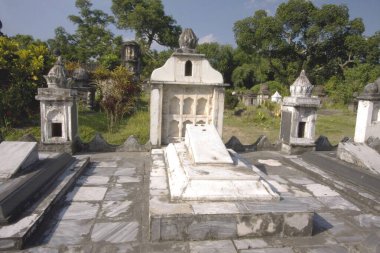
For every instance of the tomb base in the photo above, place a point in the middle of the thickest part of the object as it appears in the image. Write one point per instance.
(67, 147)
(297, 148)
(210, 219)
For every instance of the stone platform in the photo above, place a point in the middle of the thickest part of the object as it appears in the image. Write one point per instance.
(228, 219)
(116, 218)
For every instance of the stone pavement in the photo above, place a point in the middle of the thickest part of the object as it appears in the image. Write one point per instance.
(107, 211)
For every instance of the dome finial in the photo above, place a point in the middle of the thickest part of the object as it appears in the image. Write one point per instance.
(57, 77)
(188, 41)
(301, 86)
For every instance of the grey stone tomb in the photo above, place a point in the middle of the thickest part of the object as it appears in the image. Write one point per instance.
(86, 91)
(58, 107)
(298, 116)
(131, 57)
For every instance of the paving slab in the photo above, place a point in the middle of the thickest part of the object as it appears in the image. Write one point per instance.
(15, 156)
(115, 232)
(80, 211)
(87, 193)
(212, 247)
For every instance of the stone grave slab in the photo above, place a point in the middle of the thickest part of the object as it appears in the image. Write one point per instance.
(15, 156)
(360, 154)
(205, 145)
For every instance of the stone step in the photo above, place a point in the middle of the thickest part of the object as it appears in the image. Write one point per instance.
(13, 236)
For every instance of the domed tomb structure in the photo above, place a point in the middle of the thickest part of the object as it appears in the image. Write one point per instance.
(59, 116)
(298, 116)
(186, 90)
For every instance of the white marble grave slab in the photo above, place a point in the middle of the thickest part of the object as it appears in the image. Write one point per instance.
(205, 145)
(223, 182)
(16, 155)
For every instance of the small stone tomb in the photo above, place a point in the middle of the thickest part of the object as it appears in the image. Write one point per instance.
(201, 168)
(16, 156)
(298, 116)
(59, 115)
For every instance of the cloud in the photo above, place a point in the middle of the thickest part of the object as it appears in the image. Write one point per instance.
(208, 39)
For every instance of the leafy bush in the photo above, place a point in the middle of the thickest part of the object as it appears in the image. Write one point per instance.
(230, 101)
(118, 93)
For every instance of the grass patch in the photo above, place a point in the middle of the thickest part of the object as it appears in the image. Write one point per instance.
(335, 124)
(254, 121)
(92, 122)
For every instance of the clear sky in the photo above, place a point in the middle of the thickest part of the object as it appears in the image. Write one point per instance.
(211, 20)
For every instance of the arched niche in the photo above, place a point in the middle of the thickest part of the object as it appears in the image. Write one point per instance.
(187, 122)
(188, 106)
(201, 106)
(55, 120)
(173, 129)
(174, 105)
(188, 68)
(200, 122)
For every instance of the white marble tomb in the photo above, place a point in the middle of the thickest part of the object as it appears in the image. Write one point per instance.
(186, 90)
(201, 168)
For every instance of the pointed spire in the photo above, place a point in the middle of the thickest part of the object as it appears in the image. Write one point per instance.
(301, 86)
(188, 41)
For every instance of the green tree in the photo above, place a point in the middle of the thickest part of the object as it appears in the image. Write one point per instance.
(23, 62)
(244, 76)
(323, 41)
(149, 21)
(92, 40)
(221, 57)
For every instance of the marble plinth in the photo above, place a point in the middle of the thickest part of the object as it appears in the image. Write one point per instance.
(219, 217)
(189, 181)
